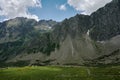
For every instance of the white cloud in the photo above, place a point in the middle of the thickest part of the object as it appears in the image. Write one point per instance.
(87, 6)
(18, 8)
(63, 7)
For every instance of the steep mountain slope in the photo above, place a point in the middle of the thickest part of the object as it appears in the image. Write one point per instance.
(106, 21)
(75, 45)
(19, 35)
(85, 38)
(80, 40)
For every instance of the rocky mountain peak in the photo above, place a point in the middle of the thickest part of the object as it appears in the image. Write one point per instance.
(106, 22)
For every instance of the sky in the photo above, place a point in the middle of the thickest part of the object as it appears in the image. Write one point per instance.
(56, 10)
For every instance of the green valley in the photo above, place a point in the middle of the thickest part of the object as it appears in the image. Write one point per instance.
(60, 73)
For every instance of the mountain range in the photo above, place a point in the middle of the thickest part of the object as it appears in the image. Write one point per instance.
(80, 40)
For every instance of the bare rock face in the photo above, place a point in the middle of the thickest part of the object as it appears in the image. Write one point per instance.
(80, 40)
(106, 21)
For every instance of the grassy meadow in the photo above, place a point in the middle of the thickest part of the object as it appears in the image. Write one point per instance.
(60, 73)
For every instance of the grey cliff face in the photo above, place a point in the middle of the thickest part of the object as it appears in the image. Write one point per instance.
(106, 21)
